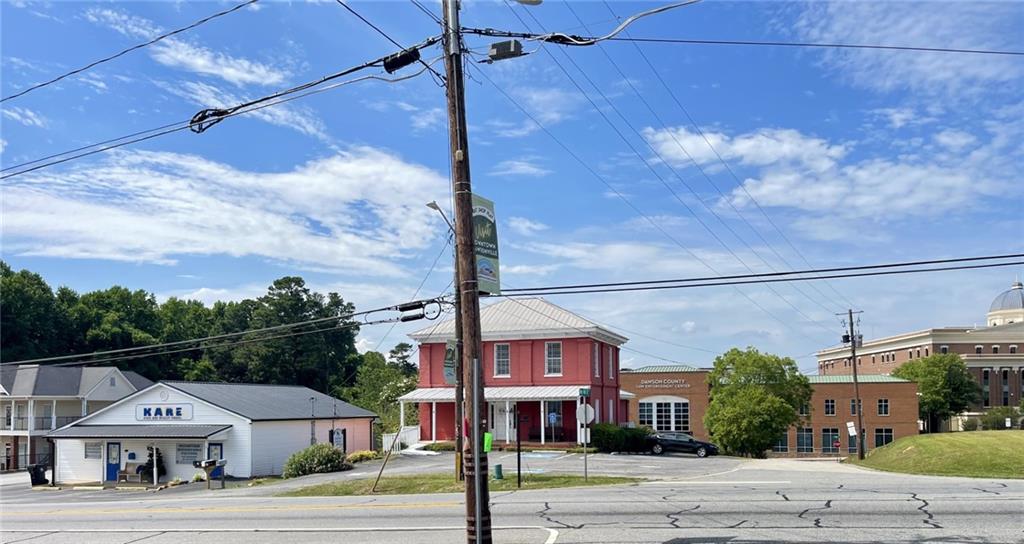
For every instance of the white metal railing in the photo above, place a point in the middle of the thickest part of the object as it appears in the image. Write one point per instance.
(409, 435)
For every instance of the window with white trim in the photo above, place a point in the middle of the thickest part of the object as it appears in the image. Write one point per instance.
(611, 410)
(995, 350)
(943, 349)
(1013, 349)
(883, 407)
(646, 414)
(664, 413)
(502, 361)
(552, 358)
(830, 407)
(978, 349)
(611, 363)
(93, 450)
(595, 356)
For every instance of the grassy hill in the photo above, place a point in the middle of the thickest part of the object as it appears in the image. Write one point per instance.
(980, 454)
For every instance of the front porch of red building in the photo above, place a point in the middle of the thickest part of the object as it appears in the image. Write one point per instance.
(547, 422)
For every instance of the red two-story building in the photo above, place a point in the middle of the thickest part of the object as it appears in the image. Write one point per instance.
(536, 358)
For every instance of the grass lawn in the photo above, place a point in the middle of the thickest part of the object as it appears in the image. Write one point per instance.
(445, 483)
(979, 454)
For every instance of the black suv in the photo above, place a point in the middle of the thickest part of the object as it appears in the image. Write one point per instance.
(661, 442)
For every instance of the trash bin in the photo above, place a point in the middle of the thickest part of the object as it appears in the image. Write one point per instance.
(498, 473)
(38, 474)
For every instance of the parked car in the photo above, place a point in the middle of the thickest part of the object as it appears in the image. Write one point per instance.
(662, 442)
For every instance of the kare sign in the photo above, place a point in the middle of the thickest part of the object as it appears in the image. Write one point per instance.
(485, 246)
(163, 412)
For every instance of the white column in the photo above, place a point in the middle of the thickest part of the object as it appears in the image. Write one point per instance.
(31, 419)
(543, 419)
(579, 427)
(401, 416)
(508, 423)
(13, 413)
(433, 422)
(156, 472)
(53, 415)
(85, 407)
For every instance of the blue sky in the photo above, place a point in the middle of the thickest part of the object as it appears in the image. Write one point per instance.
(853, 156)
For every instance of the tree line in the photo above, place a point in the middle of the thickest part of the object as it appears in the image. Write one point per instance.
(37, 321)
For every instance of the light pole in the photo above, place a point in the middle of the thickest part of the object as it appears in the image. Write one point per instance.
(458, 346)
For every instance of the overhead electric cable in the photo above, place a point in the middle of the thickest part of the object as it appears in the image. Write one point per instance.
(538, 290)
(395, 307)
(129, 50)
(657, 175)
(428, 12)
(345, 5)
(182, 125)
(739, 183)
(766, 280)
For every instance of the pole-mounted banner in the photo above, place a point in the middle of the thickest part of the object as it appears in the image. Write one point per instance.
(451, 351)
(485, 246)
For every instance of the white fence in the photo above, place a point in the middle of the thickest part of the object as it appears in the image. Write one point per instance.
(409, 435)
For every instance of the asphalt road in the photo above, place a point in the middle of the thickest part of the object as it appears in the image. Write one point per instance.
(724, 500)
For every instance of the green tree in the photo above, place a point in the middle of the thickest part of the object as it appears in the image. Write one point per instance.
(28, 315)
(944, 386)
(401, 356)
(377, 388)
(755, 398)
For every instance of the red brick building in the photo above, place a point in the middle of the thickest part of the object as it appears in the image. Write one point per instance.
(994, 354)
(537, 356)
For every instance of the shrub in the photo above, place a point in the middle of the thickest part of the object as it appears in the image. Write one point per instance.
(635, 440)
(316, 459)
(970, 424)
(995, 419)
(608, 438)
(440, 446)
(199, 477)
(361, 456)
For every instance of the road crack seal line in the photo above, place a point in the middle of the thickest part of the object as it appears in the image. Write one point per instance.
(544, 516)
(783, 495)
(924, 509)
(817, 521)
(987, 491)
(674, 516)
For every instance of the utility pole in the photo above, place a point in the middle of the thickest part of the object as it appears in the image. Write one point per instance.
(459, 385)
(478, 516)
(856, 387)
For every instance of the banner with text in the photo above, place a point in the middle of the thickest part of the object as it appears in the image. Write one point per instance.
(485, 245)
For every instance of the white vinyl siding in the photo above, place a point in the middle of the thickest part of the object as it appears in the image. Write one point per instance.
(73, 467)
(274, 441)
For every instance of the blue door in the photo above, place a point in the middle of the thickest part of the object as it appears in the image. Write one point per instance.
(113, 460)
(215, 451)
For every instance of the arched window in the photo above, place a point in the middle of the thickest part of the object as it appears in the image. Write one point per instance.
(665, 413)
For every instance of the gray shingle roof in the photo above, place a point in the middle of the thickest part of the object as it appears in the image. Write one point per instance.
(59, 381)
(138, 431)
(270, 402)
(138, 380)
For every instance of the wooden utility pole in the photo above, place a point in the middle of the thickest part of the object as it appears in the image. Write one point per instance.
(478, 516)
(856, 388)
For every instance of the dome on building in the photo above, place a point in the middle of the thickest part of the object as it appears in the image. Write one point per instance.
(1013, 299)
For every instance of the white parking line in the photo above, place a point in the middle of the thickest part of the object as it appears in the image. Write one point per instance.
(552, 533)
(719, 482)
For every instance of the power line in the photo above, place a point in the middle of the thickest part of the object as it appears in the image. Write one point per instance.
(182, 125)
(396, 307)
(345, 5)
(664, 125)
(770, 280)
(739, 183)
(428, 12)
(774, 274)
(130, 49)
(659, 177)
(590, 40)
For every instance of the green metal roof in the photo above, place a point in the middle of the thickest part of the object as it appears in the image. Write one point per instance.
(663, 368)
(863, 378)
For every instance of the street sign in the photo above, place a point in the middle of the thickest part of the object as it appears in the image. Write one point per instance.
(450, 353)
(485, 245)
(1009, 423)
(585, 413)
(585, 435)
(836, 444)
(585, 392)
(851, 428)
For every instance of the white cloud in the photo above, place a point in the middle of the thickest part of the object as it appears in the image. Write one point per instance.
(187, 56)
(688, 326)
(519, 167)
(955, 139)
(94, 81)
(959, 25)
(26, 117)
(525, 227)
(291, 116)
(901, 117)
(427, 119)
(505, 129)
(764, 147)
(154, 206)
(549, 105)
(528, 269)
(3, 145)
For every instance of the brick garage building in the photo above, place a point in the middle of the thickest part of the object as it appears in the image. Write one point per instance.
(676, 397)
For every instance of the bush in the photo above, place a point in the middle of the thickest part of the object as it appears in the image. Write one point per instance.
(995, 419)
(316, 459)
(199, 477)
(440, 446)
(361, 456)
(970, 424)
(608, 437)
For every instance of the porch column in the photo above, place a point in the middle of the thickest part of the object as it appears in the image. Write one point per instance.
(53, 415)
(13, 408)
(543, 419)
(156, 473)
(433, 422)
(85, 407)
(31, 420)
(508, 426)
(579, 426)
(401, 415)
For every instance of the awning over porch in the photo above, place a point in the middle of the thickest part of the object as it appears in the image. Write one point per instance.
(491, 394)
(138, 431)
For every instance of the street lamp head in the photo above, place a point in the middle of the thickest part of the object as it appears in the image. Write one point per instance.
(433, 205)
